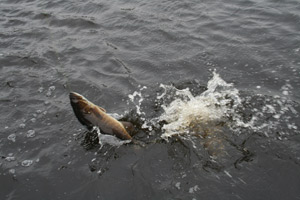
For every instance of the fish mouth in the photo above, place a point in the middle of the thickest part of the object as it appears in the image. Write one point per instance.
(75, 97)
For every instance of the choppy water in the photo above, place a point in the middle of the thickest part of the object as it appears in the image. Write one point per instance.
(212, 87)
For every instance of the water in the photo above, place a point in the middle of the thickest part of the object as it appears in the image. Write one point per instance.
(211, 86)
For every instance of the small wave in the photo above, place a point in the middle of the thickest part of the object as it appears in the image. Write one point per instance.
(108, 139)
(72, 22)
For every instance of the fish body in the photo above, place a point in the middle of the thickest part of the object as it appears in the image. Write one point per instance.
(91, 115)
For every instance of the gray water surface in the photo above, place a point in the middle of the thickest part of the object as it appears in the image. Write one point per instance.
(106, 50)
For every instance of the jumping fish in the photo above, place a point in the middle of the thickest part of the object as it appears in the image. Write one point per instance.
(91, 115)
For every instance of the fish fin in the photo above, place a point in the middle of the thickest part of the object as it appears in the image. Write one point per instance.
(128, 126)
(102, 109)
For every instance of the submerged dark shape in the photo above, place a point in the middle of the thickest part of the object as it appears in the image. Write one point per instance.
(91, 115)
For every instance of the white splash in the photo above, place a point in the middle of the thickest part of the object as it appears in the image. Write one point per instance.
(108, 139)
(214, 105)
(218, 108)
(137, 99)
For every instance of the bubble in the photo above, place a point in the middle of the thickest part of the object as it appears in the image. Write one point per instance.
(12, 171)
(277, 116)
(292, 126)
(194, 189)
(177, 185)
(10, 158)
(50, 90)
(41, 89)
(48, 94)
(22, 125)
(286, 89)
(26, 163)
(30, 133)
(12, 137)
(285, 92)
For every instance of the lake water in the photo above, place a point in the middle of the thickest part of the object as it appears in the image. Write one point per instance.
(212, 88)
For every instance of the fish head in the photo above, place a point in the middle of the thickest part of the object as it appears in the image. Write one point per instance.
(81, 107)
(75, 97)
(78, 101)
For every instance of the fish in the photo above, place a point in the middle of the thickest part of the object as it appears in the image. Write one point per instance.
(90, 115)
